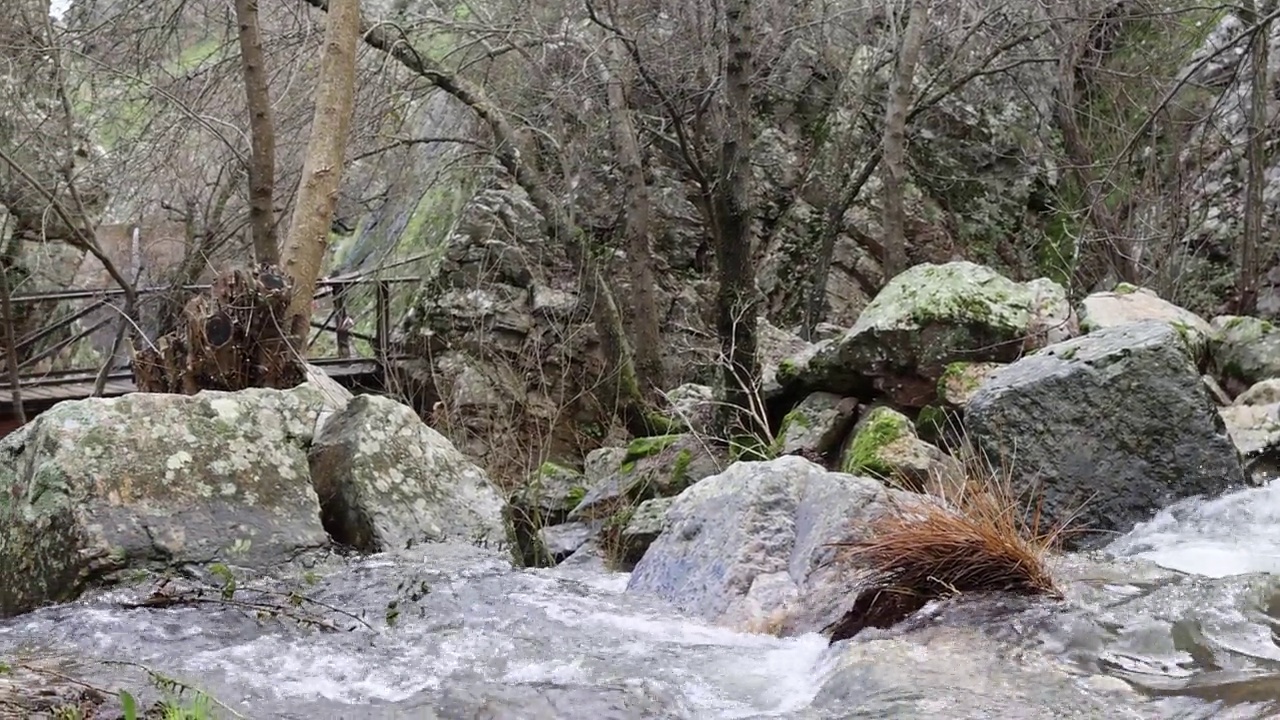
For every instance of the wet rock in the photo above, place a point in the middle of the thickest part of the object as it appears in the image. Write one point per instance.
(1245, 350)
(884, 445)
(1116, 420)
(646, 524)
(1130, 303)
(387, 481)
(545, 499)
(98, 486)
(659, 466)
(752, 542)
(817, 425)
(561, 541)
(926, 318)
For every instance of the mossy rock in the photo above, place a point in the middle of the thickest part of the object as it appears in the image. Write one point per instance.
(659, 466)
(929, 317)
(1129, 304)
(816, 426)
(1244, 351)
(884, 446)
(643, 527)
(545, 499)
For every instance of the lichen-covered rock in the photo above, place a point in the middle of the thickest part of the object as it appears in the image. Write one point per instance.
(884, 445)
(1255, 429)
(774, 347)
(545, 499)
(94, 487)
(387, 481)
(1129, 304)
(961, 380)
(817, 425)
(693, 405)
(1115, 423)
(926, 318)
(754, 540)
(659, 466)
(1245, 350)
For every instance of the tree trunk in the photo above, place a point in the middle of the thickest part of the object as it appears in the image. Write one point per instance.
(10, 340)
(304, 250)
(262, 134)
(1247, 279)
(901, 88)
(644, 326)
(737, 298)
(555, 222)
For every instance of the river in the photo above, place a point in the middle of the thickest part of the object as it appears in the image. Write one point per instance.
(1176, 619)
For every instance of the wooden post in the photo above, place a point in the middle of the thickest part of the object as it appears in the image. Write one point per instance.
(384, 321)
(340, 321)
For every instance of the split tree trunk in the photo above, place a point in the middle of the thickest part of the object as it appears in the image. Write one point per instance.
(262, 136)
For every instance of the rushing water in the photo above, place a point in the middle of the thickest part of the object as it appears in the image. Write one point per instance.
(1174, 620)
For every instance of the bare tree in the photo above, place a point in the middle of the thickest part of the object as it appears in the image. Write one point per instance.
(262, 164)
(1253, 13)
(901, 90)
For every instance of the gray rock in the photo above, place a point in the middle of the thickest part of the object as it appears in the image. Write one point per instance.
(775, 346)
(659, 466)
(817, 425)
(95, 487)
(646, 524)
(1129, 304)
(693, 405)
(926, 318)
(751, 542)
(1245, 351)
(1116, 420)
(561, 541)
(961, 380)
(1255, 429)
(387, 481)
(601, 463)
(1266, 392)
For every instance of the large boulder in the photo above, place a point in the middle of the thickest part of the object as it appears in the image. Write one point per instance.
(386, 481)
(93, 487)
(93, 490)
(753, 542)
(1115, 423)
(1130, 303)
(926, 318)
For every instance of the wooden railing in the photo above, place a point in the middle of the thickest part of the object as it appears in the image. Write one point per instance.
(35, 371)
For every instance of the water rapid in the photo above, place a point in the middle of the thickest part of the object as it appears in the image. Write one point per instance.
(1176, 619)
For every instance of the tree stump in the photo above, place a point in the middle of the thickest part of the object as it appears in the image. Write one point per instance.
(233, 338)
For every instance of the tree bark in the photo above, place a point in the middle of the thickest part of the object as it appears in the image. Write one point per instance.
(901, 88)
(736, 301)
(262, 134)
(644, 326)
(10, 341)
(1251, 239)
(303, 253)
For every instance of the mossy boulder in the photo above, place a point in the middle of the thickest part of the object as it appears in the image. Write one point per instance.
(884, 445)
(1244, 350)
(387, 481)
(928, 317)
(817, 425)
(658, 466)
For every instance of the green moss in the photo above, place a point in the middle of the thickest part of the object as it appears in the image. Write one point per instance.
(575, 496)
(882, 426)
(788, 370)
(931, 421)
(680, 469)
(644, 447)
(957, 372)
(1125, 288)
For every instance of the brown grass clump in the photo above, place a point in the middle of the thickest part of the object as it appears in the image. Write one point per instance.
(972, 536)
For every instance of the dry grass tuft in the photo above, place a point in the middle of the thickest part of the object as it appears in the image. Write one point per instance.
(973, 535)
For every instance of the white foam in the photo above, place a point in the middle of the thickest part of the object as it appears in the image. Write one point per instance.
(1233, 534)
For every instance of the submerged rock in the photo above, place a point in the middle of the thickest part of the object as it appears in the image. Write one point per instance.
(1115, 423)
(928, 317)
(387, 481)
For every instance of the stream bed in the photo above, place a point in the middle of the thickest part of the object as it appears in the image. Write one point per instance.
(1177, 619)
